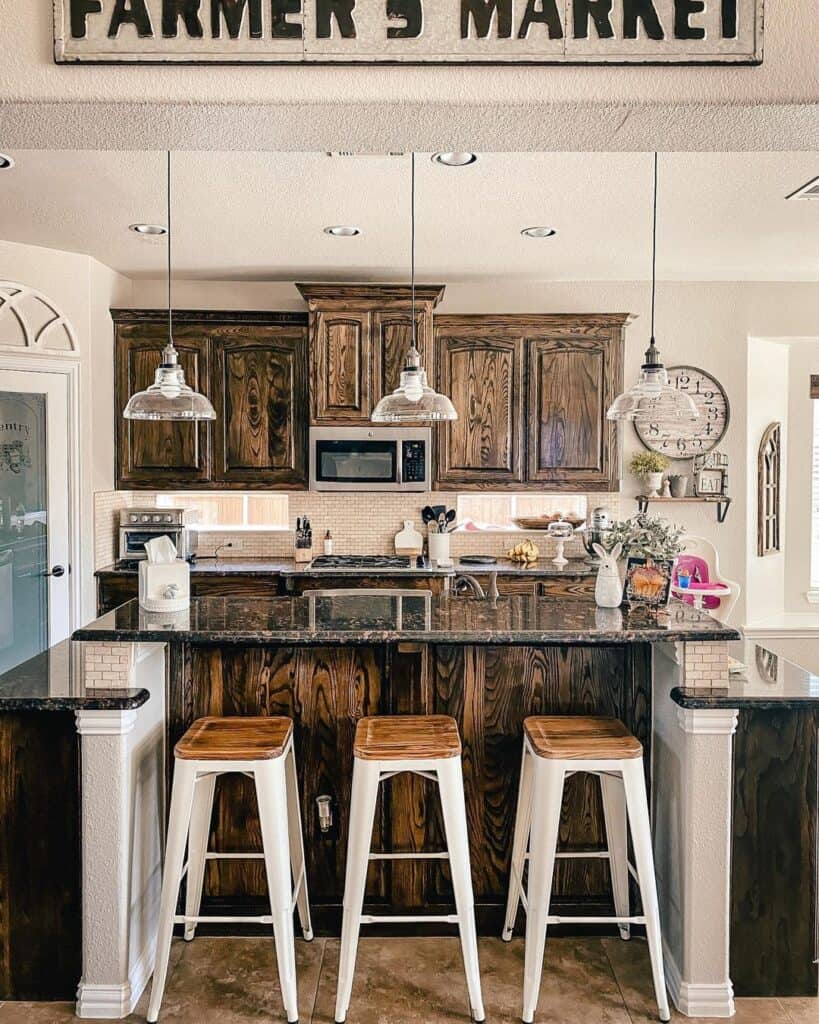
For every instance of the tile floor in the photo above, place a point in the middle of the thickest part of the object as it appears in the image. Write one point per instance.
(412, 981)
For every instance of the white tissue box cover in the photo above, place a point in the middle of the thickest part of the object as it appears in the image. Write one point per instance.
(154, 580)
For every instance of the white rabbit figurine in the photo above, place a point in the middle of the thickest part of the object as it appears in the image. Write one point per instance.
(608, 593)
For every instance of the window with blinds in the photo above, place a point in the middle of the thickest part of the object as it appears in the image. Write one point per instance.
(232, 511)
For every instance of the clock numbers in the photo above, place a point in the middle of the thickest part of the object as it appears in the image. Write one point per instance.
(684, 439)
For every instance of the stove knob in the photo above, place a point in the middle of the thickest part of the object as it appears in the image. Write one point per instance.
(145, 519)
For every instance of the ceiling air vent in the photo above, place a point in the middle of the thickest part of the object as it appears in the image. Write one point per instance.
(809, 191)
(346, 153)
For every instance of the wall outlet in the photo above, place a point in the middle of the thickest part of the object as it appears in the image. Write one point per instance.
(236, 544)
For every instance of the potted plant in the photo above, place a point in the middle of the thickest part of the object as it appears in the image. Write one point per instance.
(650, 466)
(645, 536)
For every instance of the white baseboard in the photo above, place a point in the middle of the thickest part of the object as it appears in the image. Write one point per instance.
(697, 1000)
(113, 1002)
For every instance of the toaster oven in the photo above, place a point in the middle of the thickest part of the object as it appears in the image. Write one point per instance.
(139, 525)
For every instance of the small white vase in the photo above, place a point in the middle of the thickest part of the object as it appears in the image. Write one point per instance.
(653, 482)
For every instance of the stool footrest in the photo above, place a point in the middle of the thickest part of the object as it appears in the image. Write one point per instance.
(443, 855)
(234, 856)
(184, 919)
(409, 918)
(594, 920)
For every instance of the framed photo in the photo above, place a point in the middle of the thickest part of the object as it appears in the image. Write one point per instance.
(648, 582)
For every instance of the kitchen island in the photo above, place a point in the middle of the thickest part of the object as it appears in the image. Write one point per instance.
(328, 660)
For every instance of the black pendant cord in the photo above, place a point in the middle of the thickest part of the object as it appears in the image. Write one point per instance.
(412, 253)
(654, 246)
(170, 236)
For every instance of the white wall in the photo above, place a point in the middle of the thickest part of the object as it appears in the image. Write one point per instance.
(83, 290)
(381, 108)
(804, 361)
(705, 324)
(767, 402)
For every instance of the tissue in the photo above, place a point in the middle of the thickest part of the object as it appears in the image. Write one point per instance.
(160, 551)
(164, 579)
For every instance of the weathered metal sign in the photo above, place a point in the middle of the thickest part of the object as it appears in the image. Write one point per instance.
(410, 31)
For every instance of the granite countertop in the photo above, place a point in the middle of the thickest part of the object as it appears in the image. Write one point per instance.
(769, 682)
(52, 681)
(351, 617)
(288, 567)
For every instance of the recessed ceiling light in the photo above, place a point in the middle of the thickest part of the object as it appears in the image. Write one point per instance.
(342, 231)
(6, 162)
(148, 229)
(539, 232)
(455, 159)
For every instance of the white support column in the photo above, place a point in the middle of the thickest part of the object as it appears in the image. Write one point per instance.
(692, 797)
(122, 779)
(105, 988)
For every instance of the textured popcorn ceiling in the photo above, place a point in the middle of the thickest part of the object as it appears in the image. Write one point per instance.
(769, 107)
(246, 216)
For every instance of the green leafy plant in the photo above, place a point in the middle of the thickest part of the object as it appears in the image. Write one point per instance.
(644, 463)
(645, 536)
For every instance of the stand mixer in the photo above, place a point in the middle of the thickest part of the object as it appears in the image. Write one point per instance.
(598, 526)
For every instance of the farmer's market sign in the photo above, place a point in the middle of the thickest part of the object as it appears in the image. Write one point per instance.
(410, 31)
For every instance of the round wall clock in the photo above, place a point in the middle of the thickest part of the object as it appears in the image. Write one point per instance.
(683, 439)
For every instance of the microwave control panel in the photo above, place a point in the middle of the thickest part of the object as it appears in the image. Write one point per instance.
(414, 461)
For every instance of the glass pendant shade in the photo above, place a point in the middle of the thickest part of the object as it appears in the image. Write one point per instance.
(169, 397)
(414, 399)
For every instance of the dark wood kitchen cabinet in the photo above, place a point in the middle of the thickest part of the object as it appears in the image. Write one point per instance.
(532, 394)
(359, 336)
(253, 367)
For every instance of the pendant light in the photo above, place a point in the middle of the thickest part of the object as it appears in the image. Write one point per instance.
(414, 400)
(169, 397)
(653, 398)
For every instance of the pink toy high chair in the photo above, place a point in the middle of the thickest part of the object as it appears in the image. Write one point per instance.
(699, 558)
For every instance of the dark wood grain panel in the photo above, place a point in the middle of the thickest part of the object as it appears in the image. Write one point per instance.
(392, 337)
(260, 393)
(114, 589)
(297, 585)
(483, 377)
(159, 453)
(342, 366)
(773, 884)
(568, 399)
(40, 919)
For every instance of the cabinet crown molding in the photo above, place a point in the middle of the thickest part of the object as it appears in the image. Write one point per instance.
(381, 296)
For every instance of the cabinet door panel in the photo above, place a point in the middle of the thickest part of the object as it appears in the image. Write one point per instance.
(159, 453)
(483, 377)
(342, 367)
(570, 440)
(261, 402)
(392, 336)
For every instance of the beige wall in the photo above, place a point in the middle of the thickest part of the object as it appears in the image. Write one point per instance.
(804, 360)
(83, 290)
(381, 108)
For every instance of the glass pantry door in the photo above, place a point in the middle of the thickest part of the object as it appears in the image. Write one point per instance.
(35, 594)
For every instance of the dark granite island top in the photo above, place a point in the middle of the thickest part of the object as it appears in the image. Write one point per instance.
(53, 681)
(385, 617)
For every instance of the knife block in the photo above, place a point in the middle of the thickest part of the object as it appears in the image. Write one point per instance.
(302, 555)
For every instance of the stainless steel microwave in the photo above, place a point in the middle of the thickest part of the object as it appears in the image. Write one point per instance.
(370, 459)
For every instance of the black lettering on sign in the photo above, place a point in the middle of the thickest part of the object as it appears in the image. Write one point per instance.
(729, 19)
(188, 11)
(600, 11)
(641, 10)
(342, 11)
(130, 12)
(683, 9)
(281, 28)
(411, 12)
(482, 12)
(544, 14)
(80, 9)
(233, 11)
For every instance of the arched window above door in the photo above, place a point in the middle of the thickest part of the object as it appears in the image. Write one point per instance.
(30, 321)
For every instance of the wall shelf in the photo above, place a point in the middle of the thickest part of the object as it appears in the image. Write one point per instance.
(722, 502)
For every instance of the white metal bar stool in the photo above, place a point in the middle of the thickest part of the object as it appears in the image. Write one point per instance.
(262, 749)
(553, 749)
(429, 746)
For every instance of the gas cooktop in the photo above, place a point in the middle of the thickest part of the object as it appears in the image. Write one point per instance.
(365, 562)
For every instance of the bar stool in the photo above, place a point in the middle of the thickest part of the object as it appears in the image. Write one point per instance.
(262, 749)
(429, 746)
(553, 749)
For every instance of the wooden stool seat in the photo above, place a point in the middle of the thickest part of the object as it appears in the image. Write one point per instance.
(234, 739)
(580, 738)
(407, 737)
